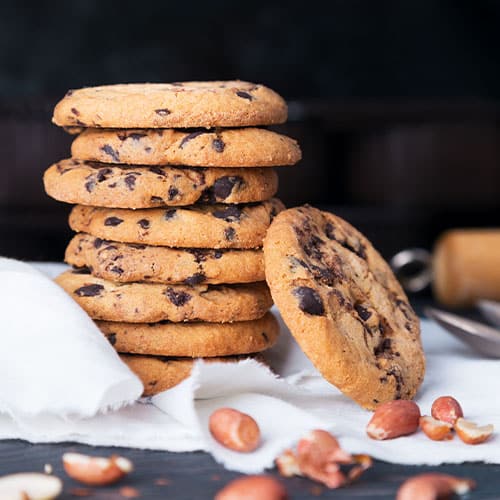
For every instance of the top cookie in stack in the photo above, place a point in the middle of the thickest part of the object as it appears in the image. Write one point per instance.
(174, 196)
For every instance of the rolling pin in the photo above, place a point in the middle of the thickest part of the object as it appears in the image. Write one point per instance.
(464, 267)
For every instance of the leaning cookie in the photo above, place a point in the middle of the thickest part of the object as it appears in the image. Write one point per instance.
(121, 186)
(344, 306)
(199, 226)
(159, 373)
(129, 262)
(149, 303)
(171, 105)
(242, 147)
(195, 340)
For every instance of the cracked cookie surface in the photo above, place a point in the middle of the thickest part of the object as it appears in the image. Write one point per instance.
(151, 302)
(122, 186)
(171, 105)
(344, 306)
(192, 339)
(199, 226)
(245, 147)
(129, 262)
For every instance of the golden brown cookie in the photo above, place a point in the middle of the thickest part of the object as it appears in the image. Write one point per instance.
(193, 340)
(159, 373)
(171, 105)
(243, 147)
(151, 302)
(129, 262)
(199, 226)
(120, 186)
(344, 306)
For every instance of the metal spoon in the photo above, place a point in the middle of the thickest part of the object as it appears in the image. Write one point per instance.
(482, 338)
(490, 310)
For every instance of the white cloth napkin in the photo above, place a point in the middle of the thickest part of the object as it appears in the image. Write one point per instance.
(49, 338)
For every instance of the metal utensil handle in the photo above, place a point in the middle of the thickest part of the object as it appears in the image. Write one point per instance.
(413, 257)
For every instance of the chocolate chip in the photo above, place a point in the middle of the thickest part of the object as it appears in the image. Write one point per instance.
(179, 298)
(383, 347)
(130, 181)
(112, 221)
(195, 279)
(136, 136)
(98, 242)
(162, 112)
(147, 149)
(75, 111)
(144, 223)
(309, 300)
(363, 313)
(170, 213)
(229, 233)
(111, 152)
(81, 270)
(112, 185)
(172, 193)
(117, 270)
(89, 290)
(190, 136)
(200, 255)
(218, 145)
(157, 171)
(112, 338)
(218, 254)
(103, 173)
(90, 185)
(157, 199)
(244, 95)
(224, 186)
(231, 213)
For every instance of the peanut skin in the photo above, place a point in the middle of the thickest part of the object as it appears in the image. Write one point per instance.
(234, 430)
(253, 488)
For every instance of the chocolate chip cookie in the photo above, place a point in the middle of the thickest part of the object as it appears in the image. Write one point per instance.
(242, 147)
(171, 105)
(129, 262)
(151, 302)
(200, 226)
(159, 373)
(192, 339)
(120, 186)
(344, 306)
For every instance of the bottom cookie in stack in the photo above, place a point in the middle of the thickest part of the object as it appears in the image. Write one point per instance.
(162, 354)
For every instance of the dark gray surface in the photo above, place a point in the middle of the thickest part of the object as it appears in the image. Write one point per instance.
(197, 476)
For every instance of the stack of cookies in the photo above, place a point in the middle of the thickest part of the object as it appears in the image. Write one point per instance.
(174, 194)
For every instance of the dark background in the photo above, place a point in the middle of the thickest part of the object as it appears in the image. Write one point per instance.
(395, 104)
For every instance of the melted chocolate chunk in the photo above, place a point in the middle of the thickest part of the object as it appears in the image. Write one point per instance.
(102, 174)
(117, 270)
(90, 185)
(157, 199)
(144, 223)
(75, 111)
(229, 233)
(162, 112)
(324, 275)
(309, 300)
(200, 255)
(98, 242)
(399, 381)
(195, 279)
(157, 171)
(218, 145)
(89, 290)
(190, 136)
(130, 181)
(224, 186)
(244, 95)
(170, 213)
(112, 338)
(172, 193)
(179, 298)
(218, 254)
(111, 152)
(383, 348)
(112, 221)
(231, 213)
(363, 313)
(136, 136)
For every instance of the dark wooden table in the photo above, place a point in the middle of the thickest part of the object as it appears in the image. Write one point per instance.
(160, 475)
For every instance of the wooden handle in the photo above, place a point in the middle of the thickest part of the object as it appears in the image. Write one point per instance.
(466, 266)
